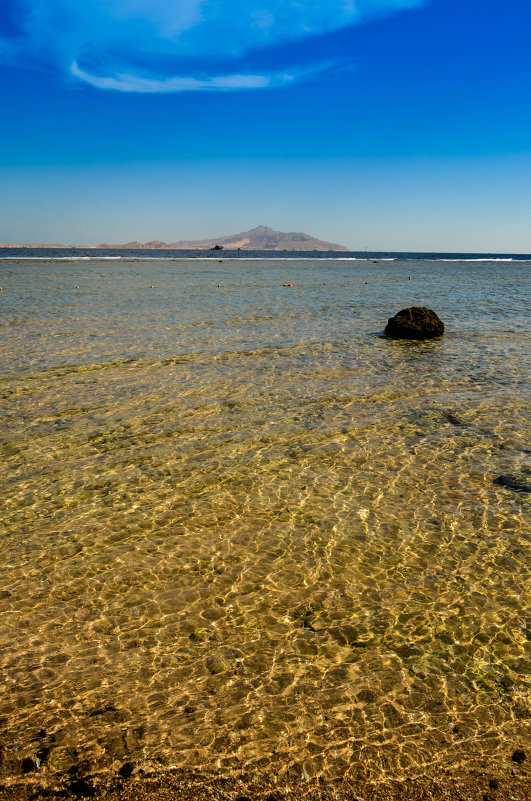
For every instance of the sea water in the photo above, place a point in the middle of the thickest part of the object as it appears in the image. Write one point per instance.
(241, 529)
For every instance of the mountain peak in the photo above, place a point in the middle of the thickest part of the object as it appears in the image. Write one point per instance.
(261, 238)
(262, 229)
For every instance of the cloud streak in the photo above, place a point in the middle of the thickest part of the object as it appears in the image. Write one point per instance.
(124, 82)
(163, 46)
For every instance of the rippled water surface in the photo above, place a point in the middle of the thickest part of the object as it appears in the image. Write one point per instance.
(240, 528)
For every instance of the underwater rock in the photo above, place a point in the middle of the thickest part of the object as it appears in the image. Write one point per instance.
(200, 634)
(216, 665)
(366, 696)
(415, 322)
(406, 650)
(518, 756)
(513, 482)
(28, 765)
(345, 635)
(127, 770)
(431, 419)
(81, 788)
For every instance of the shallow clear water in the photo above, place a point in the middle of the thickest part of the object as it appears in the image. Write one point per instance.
(240, 528)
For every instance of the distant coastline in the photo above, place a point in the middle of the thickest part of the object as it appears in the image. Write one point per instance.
(259, 238)
(52, 252)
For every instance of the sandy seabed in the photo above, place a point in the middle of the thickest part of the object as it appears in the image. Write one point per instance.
(240, 522)
(482, 783)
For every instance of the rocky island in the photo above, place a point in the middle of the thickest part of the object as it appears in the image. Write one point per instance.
(259, 238)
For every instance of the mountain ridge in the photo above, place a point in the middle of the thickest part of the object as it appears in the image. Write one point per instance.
(260, 238)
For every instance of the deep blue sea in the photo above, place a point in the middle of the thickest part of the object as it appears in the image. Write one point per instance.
(80, 252)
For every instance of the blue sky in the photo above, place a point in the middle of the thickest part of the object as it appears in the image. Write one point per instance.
(387, 124)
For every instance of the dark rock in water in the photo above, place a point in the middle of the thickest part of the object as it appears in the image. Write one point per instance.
(454, 420)
(518, 756)
(42, 753)
(216, 665)
(513, 482)
(406, 650)
(81, 788)
(217, 247)
(28, 765)
(433, 419)
(345, 635)
(415, 322)
(367, 696)
(199, 635)
(126, 770)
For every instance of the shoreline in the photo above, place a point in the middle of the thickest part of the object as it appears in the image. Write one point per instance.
(510, 783)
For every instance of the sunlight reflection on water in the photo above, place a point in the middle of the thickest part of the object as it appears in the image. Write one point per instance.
(240, 528)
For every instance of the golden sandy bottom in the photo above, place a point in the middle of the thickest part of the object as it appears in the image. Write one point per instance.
(481, 784)
(242, 534)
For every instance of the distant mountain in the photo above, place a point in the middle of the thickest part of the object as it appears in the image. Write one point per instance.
(260, 238)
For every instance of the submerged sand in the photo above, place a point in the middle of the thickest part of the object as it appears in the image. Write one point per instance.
(243, 533)
(480, 784)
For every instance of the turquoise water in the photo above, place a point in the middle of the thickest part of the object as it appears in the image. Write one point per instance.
(241, 529)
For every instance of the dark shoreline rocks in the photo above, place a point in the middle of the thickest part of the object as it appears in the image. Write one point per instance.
(415, 322)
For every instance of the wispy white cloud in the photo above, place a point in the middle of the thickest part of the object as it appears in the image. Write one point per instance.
(177, 45)
(124, 82)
